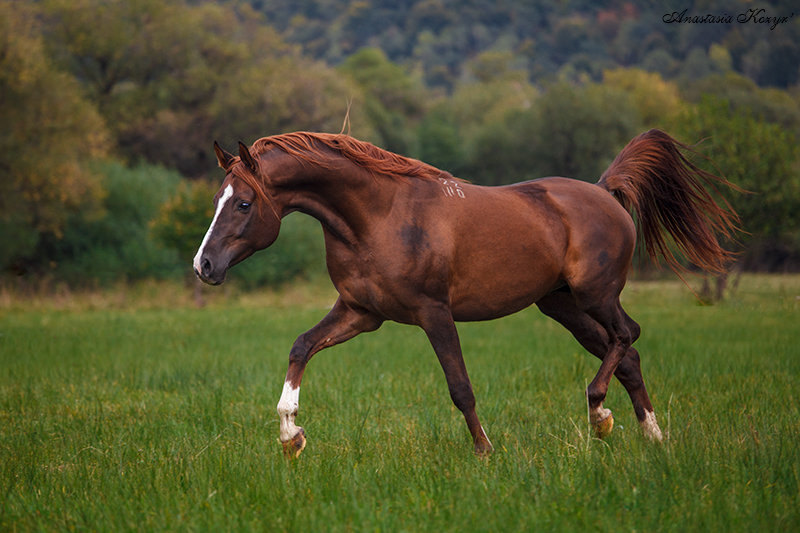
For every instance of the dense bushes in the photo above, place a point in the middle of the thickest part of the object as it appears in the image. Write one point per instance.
(149, 225)
(114, 242)
(298, 253)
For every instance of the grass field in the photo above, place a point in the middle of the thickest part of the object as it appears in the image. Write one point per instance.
(118, 414)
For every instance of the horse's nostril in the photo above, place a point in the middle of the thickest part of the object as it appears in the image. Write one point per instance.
(206, 266)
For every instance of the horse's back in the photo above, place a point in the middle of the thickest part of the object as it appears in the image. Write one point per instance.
(514, 244)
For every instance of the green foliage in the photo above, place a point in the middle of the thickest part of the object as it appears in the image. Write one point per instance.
(437, 36)
(492, 92)
(569, 130)
(473, 105)
(182, 220)
(471, 134)
(577, 131)
(657, 101)
(171, 77)
(116, 244)
(393, 98)
(49, 135)
(440, 143)
(758, 156)
(743, 95)
(299, 253)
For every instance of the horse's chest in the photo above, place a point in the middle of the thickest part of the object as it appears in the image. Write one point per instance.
(386, 285)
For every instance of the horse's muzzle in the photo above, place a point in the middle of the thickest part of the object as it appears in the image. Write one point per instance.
(206, 273)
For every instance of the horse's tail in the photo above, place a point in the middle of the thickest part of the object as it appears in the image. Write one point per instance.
(667, 195)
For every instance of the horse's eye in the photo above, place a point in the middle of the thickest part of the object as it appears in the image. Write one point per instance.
(244, 207)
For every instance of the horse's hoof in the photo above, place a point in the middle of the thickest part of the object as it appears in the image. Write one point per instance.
(483, 448)
(293, 447)
(603, 427)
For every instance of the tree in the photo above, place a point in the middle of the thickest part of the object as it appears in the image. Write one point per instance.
(440, 143)
(743, 95)
(393, 99)
(577, 131)
(493, 66)
(50, 134)
(657, 101)
(763, 158)
(169, 76)
(116, 244)
(469, 134)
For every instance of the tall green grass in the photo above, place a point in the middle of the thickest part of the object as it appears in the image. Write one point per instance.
(164, 419)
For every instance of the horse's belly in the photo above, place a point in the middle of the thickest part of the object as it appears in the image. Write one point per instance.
(496, 299)
(502, 280)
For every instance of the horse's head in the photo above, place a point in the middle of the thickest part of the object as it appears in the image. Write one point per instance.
(245, 219)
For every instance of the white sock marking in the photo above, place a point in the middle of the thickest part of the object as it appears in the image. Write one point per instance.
(650, 427)
(226, 194)
(287, 410)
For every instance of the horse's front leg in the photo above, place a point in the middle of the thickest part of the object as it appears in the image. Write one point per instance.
(340, 324)
(443, 336)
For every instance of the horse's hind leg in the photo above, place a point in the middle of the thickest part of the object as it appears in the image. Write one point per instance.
(562, 307)
(608, 314)
(629, 374)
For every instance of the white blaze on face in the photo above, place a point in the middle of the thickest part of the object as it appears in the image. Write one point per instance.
(226, 195)
(287, 410)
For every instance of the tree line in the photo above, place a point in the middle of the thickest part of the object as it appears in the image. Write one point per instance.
(581, 37)
(109, 110)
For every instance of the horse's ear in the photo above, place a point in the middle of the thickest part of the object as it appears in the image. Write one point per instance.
(247, 158)
(223, 158)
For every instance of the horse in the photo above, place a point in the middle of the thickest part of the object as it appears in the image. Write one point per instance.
(408, 242)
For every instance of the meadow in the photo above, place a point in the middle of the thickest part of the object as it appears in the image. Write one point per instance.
(136, 411)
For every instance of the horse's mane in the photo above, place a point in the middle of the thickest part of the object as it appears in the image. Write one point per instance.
(311, 147)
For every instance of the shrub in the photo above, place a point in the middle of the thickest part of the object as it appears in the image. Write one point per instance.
(298, 253)
(116, 244)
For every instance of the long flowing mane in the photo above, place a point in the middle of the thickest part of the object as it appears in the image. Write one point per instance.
(312, 147)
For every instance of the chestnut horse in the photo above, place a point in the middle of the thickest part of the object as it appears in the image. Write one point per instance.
(408, 242)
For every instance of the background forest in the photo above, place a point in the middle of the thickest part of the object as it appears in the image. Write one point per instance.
(109, 109)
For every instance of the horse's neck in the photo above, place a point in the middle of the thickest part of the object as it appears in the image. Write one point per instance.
(344, 197)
